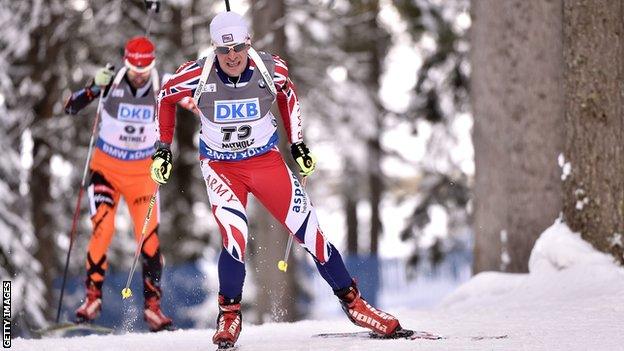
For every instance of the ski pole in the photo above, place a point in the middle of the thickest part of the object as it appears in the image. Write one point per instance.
(227, 5)
(152, 6)
(72, 233)
(283, 264)
(126, 292)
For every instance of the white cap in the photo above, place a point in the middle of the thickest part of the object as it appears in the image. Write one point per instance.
(228, 28)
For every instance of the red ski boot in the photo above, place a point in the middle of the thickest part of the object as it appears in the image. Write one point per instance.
(229, 322)
(155, 318)
(364, 315)
(92, 305)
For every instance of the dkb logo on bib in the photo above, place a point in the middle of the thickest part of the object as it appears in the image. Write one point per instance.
(236, 110)
(135, 113)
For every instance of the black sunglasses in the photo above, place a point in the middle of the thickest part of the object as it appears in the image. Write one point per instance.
(224, 50)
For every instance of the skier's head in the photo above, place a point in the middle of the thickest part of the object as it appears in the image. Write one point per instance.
(139, 58)
(230, 37)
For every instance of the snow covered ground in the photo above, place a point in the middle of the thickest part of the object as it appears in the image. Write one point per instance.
(572, 299)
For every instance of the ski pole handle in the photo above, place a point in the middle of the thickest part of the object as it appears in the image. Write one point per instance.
(283, 264)
(151, 6)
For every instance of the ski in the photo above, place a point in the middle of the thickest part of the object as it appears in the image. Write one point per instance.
(70, 326)
(169, 327)
(489, 337)
(399, 334)
(406, 334)
(226, 346)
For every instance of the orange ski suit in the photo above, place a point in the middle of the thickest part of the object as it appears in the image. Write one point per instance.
(111, 179)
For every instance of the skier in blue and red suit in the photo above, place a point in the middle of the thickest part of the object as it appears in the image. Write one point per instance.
(239, 155)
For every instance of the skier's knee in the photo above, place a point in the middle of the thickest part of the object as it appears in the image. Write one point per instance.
(235, 242)
(100, 196)
(323, 259)
(236, 253)
(151, 243)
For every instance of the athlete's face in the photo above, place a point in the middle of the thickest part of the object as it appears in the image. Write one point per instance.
(138, 79)
(233, 58)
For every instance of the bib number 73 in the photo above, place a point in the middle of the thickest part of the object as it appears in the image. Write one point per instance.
(242, 132)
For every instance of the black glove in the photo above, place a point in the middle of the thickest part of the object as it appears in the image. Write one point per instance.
(152, 5)
(303, 157)
(162, 163)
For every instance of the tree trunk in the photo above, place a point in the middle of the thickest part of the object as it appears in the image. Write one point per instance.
(517, 98)
(594, 190)
(376, 185)
(277, 292)
(43, 206)
(42, 221)
(375, 174)
(350, 201)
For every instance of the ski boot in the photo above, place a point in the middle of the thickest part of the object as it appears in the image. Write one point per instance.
(92, 305)
(154, 316)
(229, 322)
(364, 315)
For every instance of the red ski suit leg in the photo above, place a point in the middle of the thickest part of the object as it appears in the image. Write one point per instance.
(275, 186)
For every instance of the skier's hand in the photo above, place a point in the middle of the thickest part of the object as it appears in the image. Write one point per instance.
(104, 76)
(189, 104)
(303, 157)
(160, 170)
(152, 5)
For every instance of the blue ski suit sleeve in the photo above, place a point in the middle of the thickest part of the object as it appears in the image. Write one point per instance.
(83, 97)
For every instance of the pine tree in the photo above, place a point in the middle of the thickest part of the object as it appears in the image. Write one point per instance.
(439, 103)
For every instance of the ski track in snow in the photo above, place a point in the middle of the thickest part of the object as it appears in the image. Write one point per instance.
(571, 300)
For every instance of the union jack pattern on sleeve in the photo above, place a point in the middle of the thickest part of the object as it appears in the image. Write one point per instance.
(287, 101)
(280, 77)
(182, 84)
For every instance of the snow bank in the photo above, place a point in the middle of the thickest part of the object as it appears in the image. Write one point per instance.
(561, 264)
(559, 248)
(572, 299)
